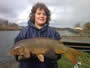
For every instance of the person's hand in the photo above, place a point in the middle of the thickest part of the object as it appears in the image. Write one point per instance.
(23, 56)
(51, 54)
(20, 57)
(40, 57)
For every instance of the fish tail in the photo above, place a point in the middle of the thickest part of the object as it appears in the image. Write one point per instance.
(71, 57)
(72, 54)
(75, 52)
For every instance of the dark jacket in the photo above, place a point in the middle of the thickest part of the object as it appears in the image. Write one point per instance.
(30, 32)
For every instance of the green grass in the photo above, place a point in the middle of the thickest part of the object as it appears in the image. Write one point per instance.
(65, 63)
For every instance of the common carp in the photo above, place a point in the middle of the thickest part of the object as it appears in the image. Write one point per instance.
(40, 46)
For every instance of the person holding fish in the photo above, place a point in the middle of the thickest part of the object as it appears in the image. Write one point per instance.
(38, 26)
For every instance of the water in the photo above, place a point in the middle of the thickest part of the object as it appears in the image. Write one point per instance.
(6, 42)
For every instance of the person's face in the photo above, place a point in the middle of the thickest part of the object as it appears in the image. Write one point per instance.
(40, 17)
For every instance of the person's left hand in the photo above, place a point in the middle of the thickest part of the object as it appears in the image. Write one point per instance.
(40, 57)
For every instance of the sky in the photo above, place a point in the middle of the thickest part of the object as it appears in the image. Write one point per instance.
(64, 13)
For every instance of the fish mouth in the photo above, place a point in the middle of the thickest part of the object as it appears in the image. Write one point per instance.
(16, 51)
(13, 53)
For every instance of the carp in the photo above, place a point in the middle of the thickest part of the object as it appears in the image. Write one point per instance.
(40, 46)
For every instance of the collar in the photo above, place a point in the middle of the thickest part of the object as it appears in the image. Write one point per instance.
(31, 25)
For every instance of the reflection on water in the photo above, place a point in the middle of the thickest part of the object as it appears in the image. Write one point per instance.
(6, 42)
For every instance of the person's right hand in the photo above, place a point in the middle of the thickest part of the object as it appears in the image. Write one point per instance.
(23, 57)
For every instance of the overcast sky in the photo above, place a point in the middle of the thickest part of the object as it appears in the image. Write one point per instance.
(65, 13)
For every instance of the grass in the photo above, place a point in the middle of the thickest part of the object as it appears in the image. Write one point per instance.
(65, 63)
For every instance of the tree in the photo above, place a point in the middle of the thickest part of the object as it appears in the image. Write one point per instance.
(87, 27)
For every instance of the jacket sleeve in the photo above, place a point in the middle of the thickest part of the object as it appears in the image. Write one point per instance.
(52, 52)
(58, 37)
(20, 36)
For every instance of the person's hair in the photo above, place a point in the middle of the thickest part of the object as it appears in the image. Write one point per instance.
(41, 6)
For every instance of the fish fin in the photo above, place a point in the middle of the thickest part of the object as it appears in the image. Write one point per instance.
(60, 51)
(72, 53)
(75, 52)
(71, 57)
(40, 57)
(9, 53)
(20, 57)
(27, 53)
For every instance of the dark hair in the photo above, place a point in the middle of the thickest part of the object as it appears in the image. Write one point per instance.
(34, 9)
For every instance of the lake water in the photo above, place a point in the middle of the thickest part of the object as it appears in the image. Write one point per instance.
(6, 42)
